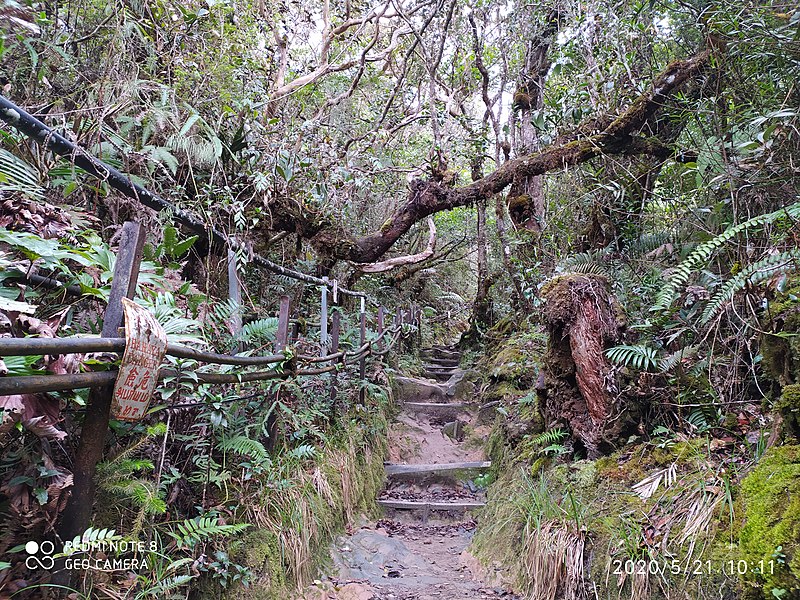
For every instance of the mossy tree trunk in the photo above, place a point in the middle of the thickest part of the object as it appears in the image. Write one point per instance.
(583, 319)
(526, 205)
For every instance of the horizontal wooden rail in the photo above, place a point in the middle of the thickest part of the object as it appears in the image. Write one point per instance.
(54, 346)
(33, 384)
(32, 346)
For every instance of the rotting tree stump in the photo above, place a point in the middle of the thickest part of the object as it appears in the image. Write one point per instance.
(582, 391)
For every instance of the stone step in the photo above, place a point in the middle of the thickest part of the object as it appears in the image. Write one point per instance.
(434, 468)
(448, 373)
(436, 408)
(431, 504)
(434, 353)
(448, 368)
(439, 377)
(442, 362)
(440, 350)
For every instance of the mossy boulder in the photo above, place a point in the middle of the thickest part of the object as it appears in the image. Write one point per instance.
(782, 353)
(789, 407)
(260, 551)
(516, 360)
(770, 498)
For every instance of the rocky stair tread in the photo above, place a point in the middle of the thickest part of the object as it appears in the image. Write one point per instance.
(440, 377)
(442, 362)
(431, 505)
(422, 469)
(440, 351)
(435, 406)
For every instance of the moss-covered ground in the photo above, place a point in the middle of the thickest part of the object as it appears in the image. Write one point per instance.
(667, 516)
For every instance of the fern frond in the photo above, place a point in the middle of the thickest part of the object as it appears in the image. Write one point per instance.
(191, 532)
(702, 254)
(260, 331)
(585, 262)
(95, 535)
(651, 242)
(638, 357)
(703, 418)
(669, 362)
(304, 451)
(165, 586)
(758, 272)
(241, 444)
(549, 437)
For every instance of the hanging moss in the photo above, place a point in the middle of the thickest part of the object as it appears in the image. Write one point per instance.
(770, 499)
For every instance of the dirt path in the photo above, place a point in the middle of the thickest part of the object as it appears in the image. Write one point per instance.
(436, 459)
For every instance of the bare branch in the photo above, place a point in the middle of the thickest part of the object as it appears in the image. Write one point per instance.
(410, 259)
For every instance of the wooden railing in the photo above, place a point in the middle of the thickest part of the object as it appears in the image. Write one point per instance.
(284, 363)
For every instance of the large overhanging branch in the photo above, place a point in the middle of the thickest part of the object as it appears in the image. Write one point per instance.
(425, 198)
(410, 259)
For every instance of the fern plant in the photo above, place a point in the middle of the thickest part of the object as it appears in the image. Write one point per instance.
(702, 254)
(548, 437)
(758, 272)
(641, 357)
(120, 478)
(258, 333)
(190, 532)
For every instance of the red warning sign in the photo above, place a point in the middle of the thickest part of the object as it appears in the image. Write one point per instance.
(145, 346)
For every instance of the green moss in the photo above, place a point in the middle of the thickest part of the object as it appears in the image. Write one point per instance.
(260, 550)
(789, 407)
(510, 364)
(770, 498)
(497, 445)
(597, 497)
(782, 354)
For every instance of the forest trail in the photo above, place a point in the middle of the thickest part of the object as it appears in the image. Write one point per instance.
(433, 483)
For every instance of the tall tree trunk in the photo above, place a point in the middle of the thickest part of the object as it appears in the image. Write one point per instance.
(518, 299)
(526, 205)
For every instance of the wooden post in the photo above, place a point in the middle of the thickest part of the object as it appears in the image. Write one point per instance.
(295, 332)
(381, 315)
(282, 337)
(335, 326)
(273, 423)
(323, 319)
(418, 322)
(78, 511)
(235, 295)
(362, 364)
